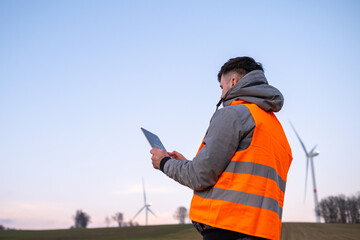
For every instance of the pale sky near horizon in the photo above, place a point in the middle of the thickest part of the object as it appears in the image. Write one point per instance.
(79, 78)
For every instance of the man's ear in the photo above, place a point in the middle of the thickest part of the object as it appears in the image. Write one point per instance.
(234, 81)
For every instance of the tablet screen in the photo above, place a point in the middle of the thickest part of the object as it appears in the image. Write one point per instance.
(153, 139)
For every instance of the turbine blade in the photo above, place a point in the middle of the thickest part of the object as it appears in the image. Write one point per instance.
(151, 212)
(301, 142)
(144, 192)
(312, 150)
(138, 212)
(306, 176)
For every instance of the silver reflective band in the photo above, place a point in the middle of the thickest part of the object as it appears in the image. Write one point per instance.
(256, 169)
(242, 198)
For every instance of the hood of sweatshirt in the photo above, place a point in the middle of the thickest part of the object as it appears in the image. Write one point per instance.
(254, 88)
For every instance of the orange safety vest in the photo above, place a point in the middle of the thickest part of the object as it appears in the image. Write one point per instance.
(249, 195)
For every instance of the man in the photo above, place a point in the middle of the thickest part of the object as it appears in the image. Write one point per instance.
(239, 173)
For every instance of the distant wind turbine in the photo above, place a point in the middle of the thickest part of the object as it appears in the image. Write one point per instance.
(309, 157)
(146, 207)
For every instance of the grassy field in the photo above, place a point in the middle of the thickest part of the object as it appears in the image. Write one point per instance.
(161, 232)
(310, 231)
(290, 231)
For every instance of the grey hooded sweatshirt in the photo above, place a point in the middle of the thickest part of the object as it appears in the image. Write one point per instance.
(231, 129)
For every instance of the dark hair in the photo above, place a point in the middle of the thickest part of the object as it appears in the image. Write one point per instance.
(240, 65)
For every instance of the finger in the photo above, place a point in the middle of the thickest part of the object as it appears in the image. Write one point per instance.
(174, 153)
(154, 150)
(154, 164)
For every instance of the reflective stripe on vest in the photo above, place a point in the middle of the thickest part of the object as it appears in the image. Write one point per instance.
(248, 196)
(258, 170)
(238, 197)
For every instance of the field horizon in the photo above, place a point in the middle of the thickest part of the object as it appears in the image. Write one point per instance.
(290, 231)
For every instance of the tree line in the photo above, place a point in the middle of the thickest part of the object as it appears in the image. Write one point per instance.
(340, 209)
(3, 228)
(82, 219)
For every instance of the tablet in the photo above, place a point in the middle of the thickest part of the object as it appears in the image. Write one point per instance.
(153, 139)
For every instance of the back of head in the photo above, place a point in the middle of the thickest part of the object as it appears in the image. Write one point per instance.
(240, 65)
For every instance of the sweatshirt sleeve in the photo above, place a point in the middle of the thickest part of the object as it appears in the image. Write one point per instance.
(222, 140)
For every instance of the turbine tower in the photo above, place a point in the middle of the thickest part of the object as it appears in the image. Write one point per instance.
(309, 158)
(146, 207)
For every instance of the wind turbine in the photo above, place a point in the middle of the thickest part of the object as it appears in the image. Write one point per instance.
(309, 158)
(146, 207)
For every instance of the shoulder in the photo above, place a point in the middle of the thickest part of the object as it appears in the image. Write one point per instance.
(237, 117)
(238, 112)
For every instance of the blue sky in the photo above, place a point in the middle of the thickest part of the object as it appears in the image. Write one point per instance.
(79, 78)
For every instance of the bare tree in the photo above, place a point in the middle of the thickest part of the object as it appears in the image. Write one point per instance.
(353, 206)
(329, 210)
(2, 228)
(340, 202)
(130, 223)
(340, 209)
(81, 219)
(119, 218)
(181, 214)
